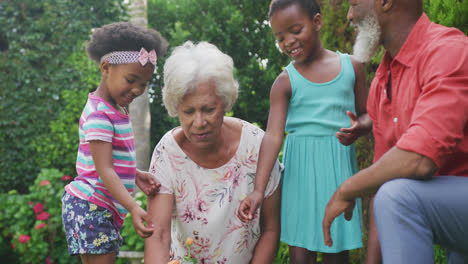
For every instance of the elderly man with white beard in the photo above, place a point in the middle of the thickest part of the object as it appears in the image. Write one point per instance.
(365, 46)
(418, 103)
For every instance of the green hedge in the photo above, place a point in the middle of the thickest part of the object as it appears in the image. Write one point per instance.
(41, 36)
(31, 224)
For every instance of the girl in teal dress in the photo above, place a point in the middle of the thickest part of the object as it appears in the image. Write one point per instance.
(320, 101)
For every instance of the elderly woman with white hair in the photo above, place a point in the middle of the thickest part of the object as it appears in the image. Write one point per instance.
(206, 167)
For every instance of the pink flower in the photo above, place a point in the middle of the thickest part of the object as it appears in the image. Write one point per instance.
(41, 225)
(42, 216)
(30, 203)
(38, 207)
(49, 260)
(66, 178)
(24, 239)
(44, 183)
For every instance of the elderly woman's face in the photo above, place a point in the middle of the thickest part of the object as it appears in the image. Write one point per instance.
(201, 115)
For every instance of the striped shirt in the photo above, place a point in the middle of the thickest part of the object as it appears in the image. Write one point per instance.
(101, 121)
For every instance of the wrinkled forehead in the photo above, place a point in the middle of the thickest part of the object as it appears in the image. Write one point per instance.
(364, 5)
(359, 9)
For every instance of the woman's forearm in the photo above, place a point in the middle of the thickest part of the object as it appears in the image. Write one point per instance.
(267, 247)
(157, 247)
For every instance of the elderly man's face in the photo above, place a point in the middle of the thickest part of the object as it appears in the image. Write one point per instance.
(358, 9)
(362, 15)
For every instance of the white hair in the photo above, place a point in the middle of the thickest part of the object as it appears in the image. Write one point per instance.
(189, 65)
(368, 38)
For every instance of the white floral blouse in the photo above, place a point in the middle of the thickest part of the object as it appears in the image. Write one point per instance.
(207, 200)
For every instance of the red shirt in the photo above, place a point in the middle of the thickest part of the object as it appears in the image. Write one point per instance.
(428, 113)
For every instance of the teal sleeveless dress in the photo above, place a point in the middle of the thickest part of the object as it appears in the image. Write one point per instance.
(316, 163)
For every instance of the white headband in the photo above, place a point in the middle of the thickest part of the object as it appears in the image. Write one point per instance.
(125, 57)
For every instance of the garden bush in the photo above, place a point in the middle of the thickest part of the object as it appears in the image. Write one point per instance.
(36, 39)
(58, 148)
(31, 223)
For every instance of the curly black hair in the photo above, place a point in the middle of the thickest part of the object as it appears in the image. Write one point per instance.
(123, 36)
(311, 7)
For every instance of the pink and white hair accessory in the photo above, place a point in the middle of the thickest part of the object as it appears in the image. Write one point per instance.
(125, 57)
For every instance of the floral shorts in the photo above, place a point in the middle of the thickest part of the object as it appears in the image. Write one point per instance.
(89, 228)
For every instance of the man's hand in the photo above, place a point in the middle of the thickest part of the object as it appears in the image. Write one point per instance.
(347, 136)
(249, 206)
(335, 207)
(147, 183)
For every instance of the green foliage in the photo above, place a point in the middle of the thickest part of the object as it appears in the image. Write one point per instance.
(15, 216)
(238, 29)
(40, 36)
(283, 254)
(131, 240)
(37, 217)
(58, 148)
(451, 13)
(335, 33)
(439, 255)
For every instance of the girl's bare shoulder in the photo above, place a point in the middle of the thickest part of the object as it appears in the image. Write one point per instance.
(282, 83)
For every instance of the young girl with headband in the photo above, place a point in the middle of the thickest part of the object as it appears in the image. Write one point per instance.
(96, 202)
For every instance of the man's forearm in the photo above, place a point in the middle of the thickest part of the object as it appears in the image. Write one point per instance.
(396, 163)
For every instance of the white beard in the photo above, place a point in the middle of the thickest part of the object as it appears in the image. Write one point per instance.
(367, 40)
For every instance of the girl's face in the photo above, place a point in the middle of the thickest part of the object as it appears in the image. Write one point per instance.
(122, 83)
(201, 115)
(296, 33)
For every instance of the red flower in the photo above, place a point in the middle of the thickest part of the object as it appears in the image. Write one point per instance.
(24, 239)
(41, 225)
(30, 203)
(49, 260)
(44, 183)
(38, 208)
(13, 246)
(42, 216)
(66, 178)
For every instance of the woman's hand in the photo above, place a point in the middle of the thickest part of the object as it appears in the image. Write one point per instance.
(139, 218)
(147, 183)
(249, 206)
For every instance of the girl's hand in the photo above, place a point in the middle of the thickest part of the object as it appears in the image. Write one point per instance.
(335, 207)
(347, 136)
(139, 218)
(249, 206)
(147, 183)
